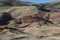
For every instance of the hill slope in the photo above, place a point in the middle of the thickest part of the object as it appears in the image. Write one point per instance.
(55, 6)
(28, 21)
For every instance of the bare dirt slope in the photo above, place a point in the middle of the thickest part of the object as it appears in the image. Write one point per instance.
(29, 23)
(20, 11)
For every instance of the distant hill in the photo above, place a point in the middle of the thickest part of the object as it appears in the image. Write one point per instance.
(18, 3)
(53, 6)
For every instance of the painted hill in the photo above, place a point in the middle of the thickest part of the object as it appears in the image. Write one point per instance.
(28, 21)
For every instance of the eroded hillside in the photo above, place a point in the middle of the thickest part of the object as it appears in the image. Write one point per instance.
(29, 23)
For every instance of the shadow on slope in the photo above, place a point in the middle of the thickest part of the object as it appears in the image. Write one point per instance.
(5, 17)
(43, 9)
